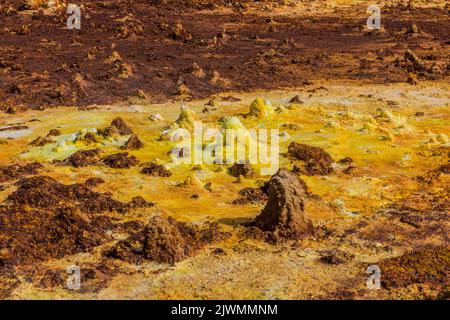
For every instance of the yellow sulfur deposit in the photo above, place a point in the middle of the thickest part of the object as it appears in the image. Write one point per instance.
(260, 108)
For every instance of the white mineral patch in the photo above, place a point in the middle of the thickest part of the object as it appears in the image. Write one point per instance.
(14, 134)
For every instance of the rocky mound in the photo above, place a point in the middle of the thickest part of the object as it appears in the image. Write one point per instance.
(165, 241)
(156, 170)
(92, 157)
(242, 169)
(118, 127)
(139, 202)
(41, 141)
(46, 193)
(283, 216)
(35, 235)
(120, 161)
(44, 220)
(15, 171)
(317, 161)
(83, 158)
(133, 143)
(425, 266)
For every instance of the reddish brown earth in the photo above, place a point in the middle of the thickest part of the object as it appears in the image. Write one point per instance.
(157, 51)
(165, 241)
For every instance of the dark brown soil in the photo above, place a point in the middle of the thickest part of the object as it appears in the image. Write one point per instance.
(110, 58)
(94, 181)
(121, 126)
(14, 128)
(251, 196)
(34, 235)
(54, 133)
(317, 161)
(139, 202)
(120, 161)
(41, 141)
(93, 276)
(44, 219)
(133, 143)
(46, 193)
(90, 138)
(416, 220)
(165, 241)
(83, 158)
(156, 170)
(283, 216)
(16, 171)
(117, 127)
(242, 169)
(346, 161)
(429, 266)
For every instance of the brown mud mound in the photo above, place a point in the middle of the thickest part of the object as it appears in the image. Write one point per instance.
(121, 126)
(242, 169)
(82, 158)
(120, 161)
(34, 235)
(118, 127)
(133, 143)
(41, 141)
(156, 170)
(430, 267)
(139, 202)
(317, 161)
(54, 133)
(283, 216)
(15, 171)
(165, 241)
(46, 193)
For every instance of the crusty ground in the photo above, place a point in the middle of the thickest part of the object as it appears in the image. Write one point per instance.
(383, 200)
(128, 50)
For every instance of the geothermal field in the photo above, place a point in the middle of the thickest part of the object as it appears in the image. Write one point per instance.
(223, 149)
